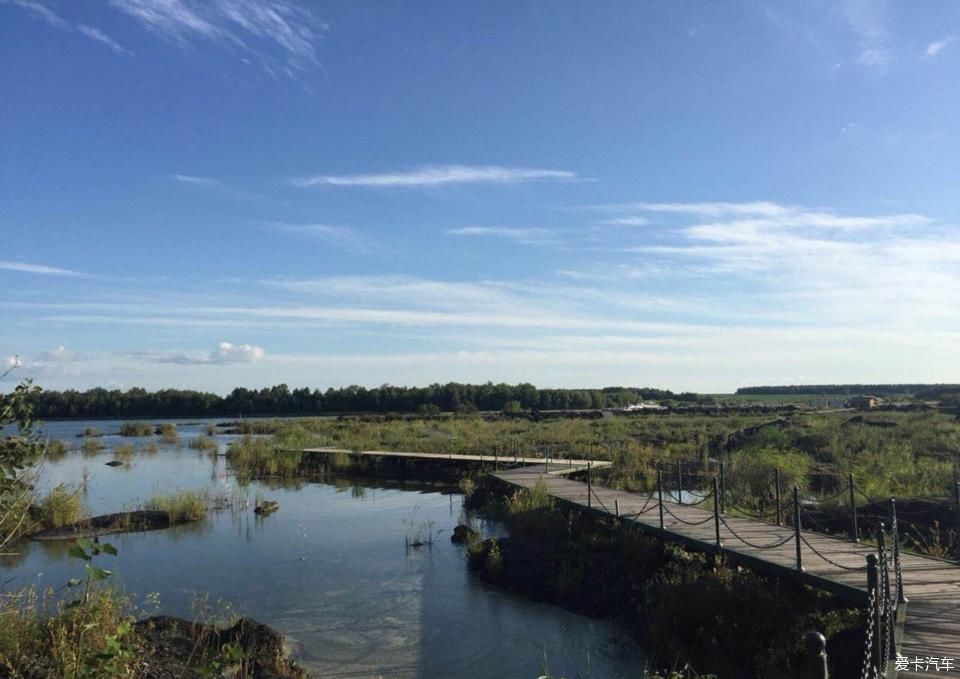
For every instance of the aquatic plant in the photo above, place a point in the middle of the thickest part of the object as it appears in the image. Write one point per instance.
(183, 506)
(137, 429)
(91, 447)
(167, 432)
(61, 507)
(204, 443)
(123, 452)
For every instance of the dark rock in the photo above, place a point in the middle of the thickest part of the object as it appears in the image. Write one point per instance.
(267, 507)
(178, 648)
(463, 534)
(107, 524)
(114, 463)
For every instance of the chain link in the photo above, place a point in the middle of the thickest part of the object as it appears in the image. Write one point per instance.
(828, 559)
(666, 508)
(772, 545)
(866, 665)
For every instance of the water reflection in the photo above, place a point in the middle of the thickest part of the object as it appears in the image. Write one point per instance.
(330, 569)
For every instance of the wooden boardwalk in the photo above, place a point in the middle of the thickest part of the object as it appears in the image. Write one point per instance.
(932, 586)
(555, 466)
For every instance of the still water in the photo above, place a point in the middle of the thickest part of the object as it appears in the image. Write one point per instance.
(329, 569)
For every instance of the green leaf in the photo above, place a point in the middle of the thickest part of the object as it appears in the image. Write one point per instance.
(86, 544)
(107, 548)
(78, 553)
(97, 573)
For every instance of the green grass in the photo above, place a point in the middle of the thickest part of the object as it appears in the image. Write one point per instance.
(204, 443)
(62, 507)
(137, 429)
(56, 449)
(183, 506)
(259, 458)
(91, 447)
(167, 432)
(91, 431)
(123, 452)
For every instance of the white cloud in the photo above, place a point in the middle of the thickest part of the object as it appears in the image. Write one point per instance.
(625, 221)
(100, 36)
(528, 236)
(42, 269)
(237, 24)
(225, 354)
(341, 237)
(239, 353)
(439, 175)
(934, 48)
(11, 362)
(218, 186)
(42, 12)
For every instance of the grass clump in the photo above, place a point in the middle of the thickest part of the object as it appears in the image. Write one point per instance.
(123, 452)
(91, 432)
(204, 443)
(56, 450)
(91, 447)
(39, 637)
(259, 458)
(167, 432)
(183, 506)
(136, 429)
(62, 507)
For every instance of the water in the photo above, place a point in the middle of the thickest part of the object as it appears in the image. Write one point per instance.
(329, 569)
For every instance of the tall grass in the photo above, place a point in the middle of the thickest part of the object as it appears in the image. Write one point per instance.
(259, 458)
(204, 443)
(62, 507)
(167, 432)
(183, 506)
(136, 429)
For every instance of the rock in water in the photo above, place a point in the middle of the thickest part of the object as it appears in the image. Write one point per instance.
(463, 534)
(267, 507)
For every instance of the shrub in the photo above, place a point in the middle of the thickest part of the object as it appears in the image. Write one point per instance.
(204, 443)
(183, 506)
(167, 432)
(123, 452)
(62, 507)
(136, 429)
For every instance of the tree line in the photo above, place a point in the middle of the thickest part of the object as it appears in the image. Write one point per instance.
(918, 390)
(281, 400)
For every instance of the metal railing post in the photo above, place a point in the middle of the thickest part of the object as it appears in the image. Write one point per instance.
(723, 489)
(895, 534)
(796, 525)
(660, 503)
(873, 591)
(616, 507)
(679, 483)
(817, 666)
(776, 473)
(853, 507)
(589, 486)
(496, 459)
(956, 501)
(716, 516)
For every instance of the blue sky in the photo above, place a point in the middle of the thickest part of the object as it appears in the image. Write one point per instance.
(691, 195)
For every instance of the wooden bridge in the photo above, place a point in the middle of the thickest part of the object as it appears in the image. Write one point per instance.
(930, 632)
(920, 621)
(555, 466)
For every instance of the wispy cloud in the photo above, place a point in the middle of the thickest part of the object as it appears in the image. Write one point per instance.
(625, 221)
(225, 354)
(341, 237)
(439, 175)
(218, 186)
(42, 269)
(40, 11)
(934, 48)
(527, 236)
(100, 36)
(238, 24)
